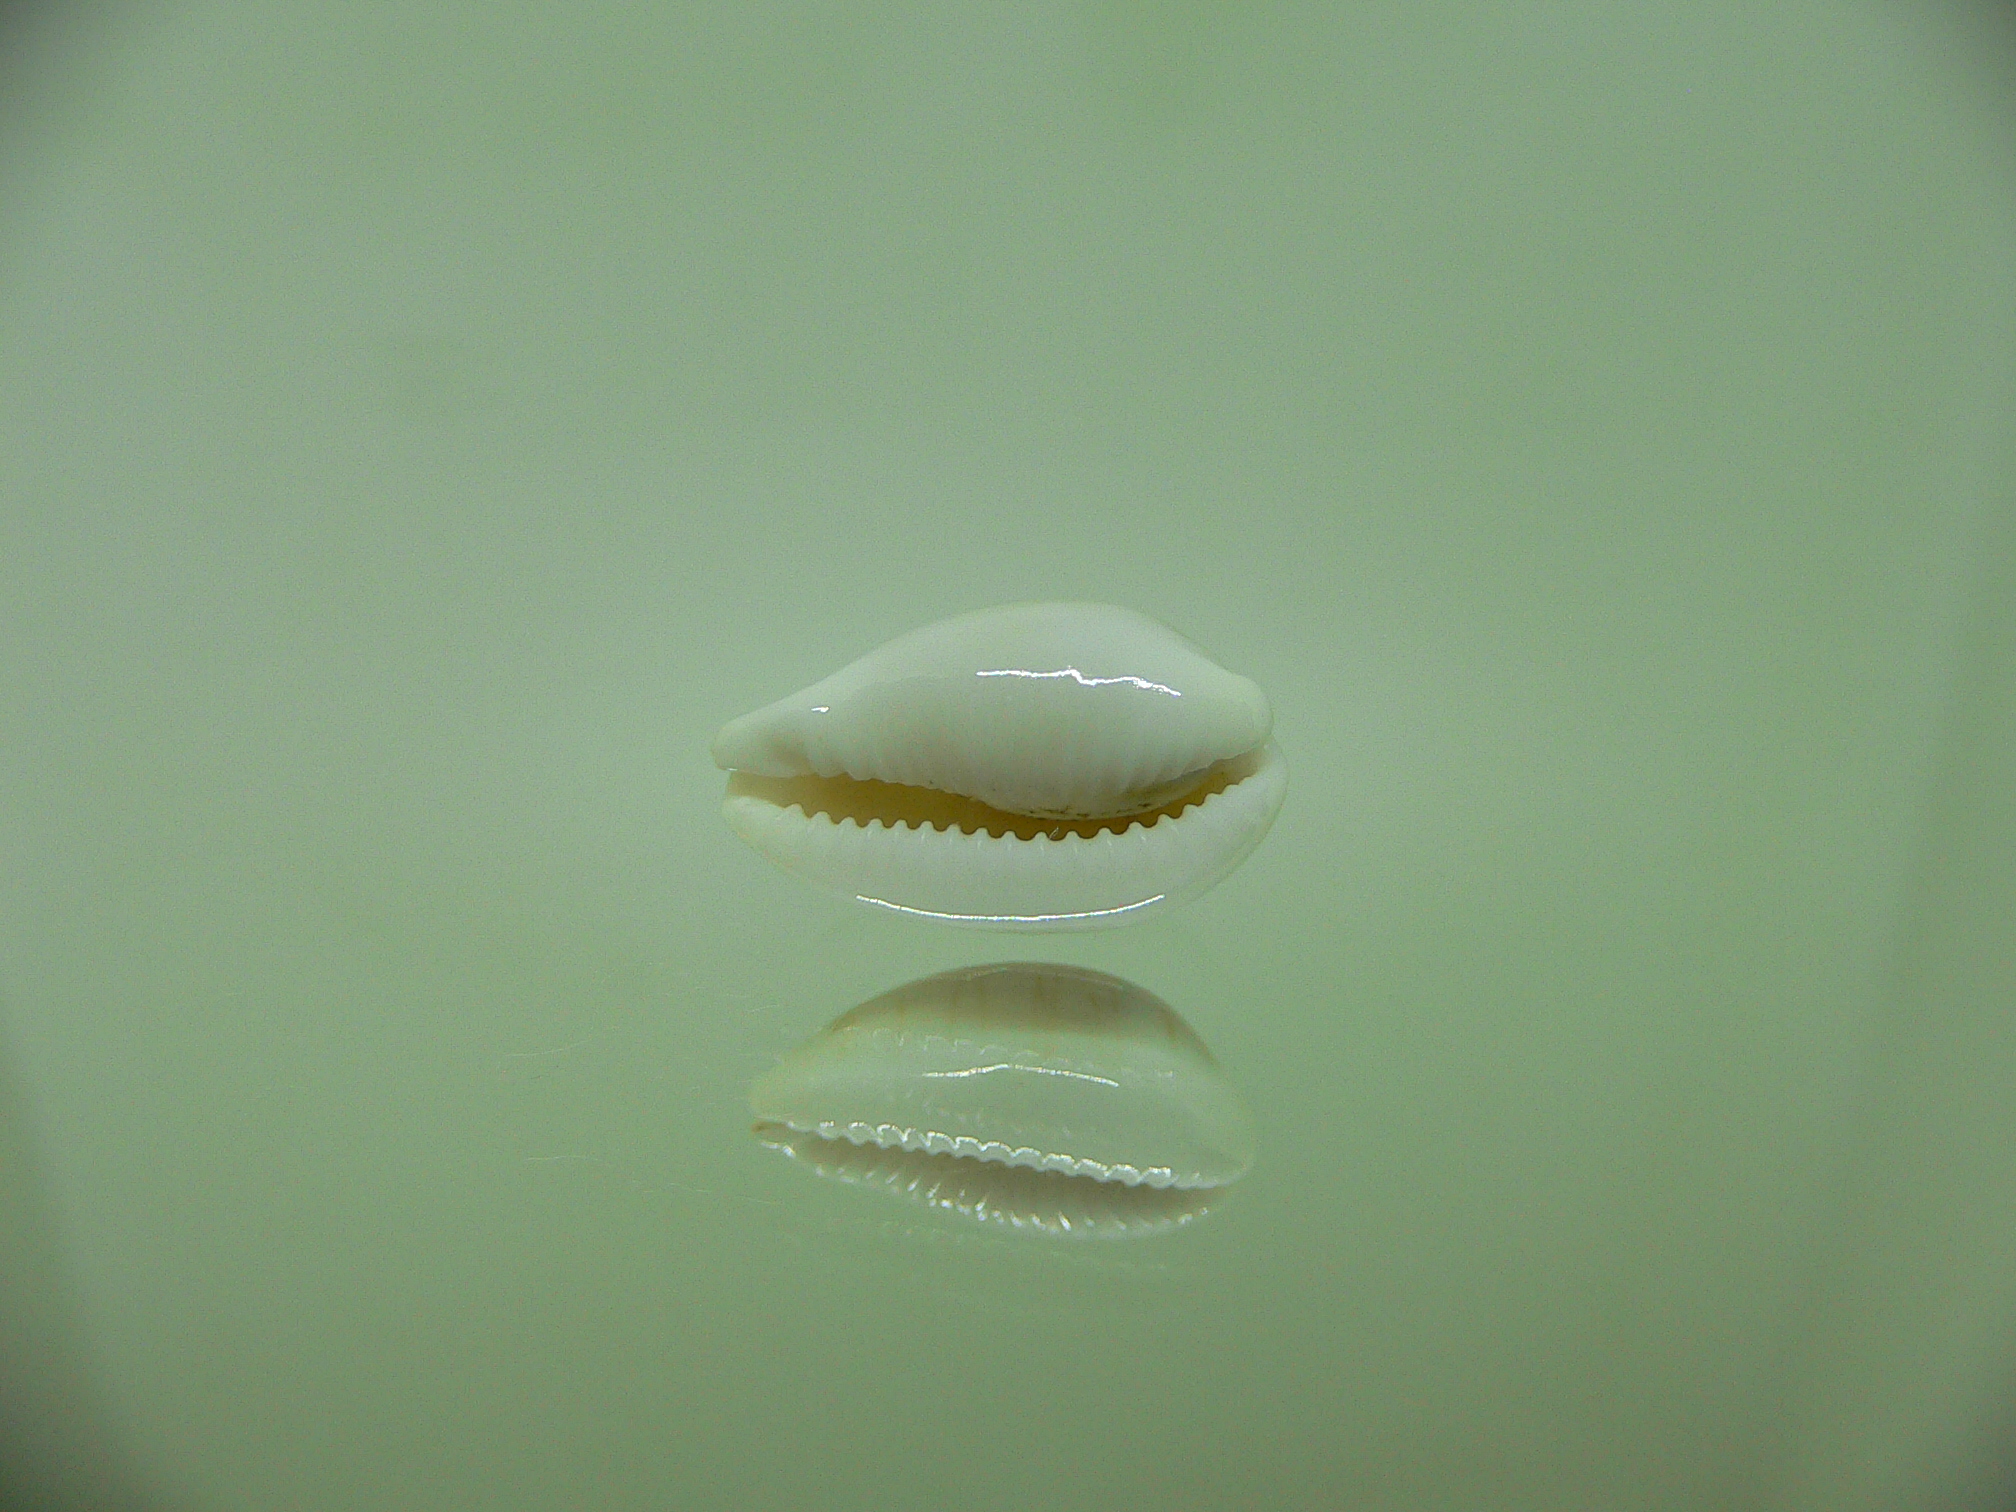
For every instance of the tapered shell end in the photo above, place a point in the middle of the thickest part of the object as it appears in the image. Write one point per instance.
(769, 742)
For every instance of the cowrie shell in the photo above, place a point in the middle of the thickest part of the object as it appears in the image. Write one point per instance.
(1033, 766)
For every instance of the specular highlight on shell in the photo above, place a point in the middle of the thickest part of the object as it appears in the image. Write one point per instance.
(1029, 1094)
(1033, 766)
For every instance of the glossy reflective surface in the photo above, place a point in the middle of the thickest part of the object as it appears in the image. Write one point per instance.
(1053, 711)
(1052, 1068)
(1013, 1199)
(932, 858)
(1044, 766)
(423, 426)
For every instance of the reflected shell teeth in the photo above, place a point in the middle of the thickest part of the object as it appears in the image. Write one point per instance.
(965, 1147)
(1052, 1070)
(1007, 1199)
(1116, 770)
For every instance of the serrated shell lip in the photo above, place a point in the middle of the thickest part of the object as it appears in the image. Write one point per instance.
(1068, 882)
(889, 1136)
(1060, 1208)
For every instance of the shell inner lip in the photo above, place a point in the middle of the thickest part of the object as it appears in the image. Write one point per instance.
(866, 801)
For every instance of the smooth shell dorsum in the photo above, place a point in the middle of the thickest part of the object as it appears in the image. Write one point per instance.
(997, 768)
(1052, 710)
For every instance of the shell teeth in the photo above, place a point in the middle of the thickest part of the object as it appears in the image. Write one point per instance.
(1070, 882)
(1021, 730)
(1030, 1090)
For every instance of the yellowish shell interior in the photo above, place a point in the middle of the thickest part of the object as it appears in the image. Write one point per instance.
(893, 803)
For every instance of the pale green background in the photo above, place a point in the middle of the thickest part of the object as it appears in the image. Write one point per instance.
(421, 427)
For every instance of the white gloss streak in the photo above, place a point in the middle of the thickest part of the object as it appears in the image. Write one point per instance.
(1082, 680)
(1057, 918)
(1104, 1081)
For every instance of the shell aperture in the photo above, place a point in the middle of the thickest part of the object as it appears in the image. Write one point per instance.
(1035, 766)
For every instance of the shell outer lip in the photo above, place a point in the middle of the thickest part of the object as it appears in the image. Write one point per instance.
(980, 880)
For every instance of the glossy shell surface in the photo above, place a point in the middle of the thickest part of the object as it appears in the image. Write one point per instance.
(1035, 766)
(1050, 1069)
(1004, 1198)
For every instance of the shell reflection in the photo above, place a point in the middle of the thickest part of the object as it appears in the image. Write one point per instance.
(1032, 1096)
(1005, 1197)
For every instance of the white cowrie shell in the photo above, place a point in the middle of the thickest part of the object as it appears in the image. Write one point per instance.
(1035, 766)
